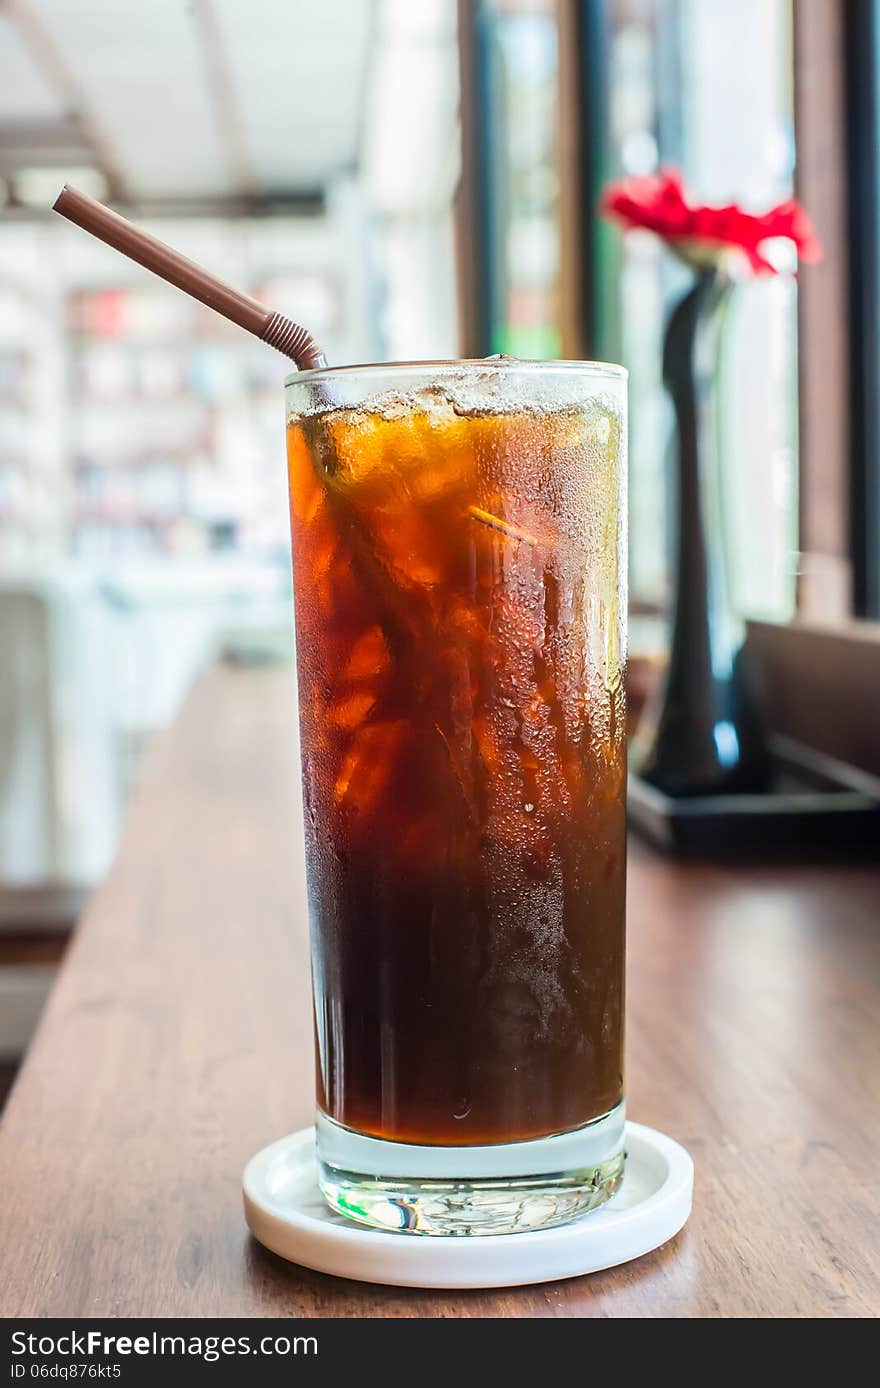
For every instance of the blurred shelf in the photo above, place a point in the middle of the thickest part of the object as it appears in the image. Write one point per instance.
(142, 400)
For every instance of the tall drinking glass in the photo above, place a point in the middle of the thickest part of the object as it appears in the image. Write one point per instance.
(459, 549)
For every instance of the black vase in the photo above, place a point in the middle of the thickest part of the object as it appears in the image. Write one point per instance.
(703, 736)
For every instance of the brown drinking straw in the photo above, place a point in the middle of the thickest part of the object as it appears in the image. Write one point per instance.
(279, 332)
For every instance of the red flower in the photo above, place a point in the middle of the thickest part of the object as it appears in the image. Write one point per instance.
(700, 234)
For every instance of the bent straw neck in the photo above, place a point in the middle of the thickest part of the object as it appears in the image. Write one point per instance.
(269, 326)
(294, 341)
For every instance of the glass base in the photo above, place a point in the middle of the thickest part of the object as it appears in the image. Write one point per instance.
(508, 1188)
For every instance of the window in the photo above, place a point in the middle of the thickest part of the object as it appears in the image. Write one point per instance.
(517, 55)
(706, 87)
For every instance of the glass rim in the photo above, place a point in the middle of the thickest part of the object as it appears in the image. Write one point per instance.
(602, 369)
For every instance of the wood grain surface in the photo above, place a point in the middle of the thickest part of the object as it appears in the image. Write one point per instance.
(178, 1041)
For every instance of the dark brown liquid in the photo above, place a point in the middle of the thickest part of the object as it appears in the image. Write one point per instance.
(462, 725)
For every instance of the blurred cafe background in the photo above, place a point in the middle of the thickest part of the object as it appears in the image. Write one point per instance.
(411, 180)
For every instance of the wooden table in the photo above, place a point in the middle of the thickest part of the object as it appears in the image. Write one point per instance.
(178, 1041)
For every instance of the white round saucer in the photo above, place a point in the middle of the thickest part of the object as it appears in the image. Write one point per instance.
(285, 1210)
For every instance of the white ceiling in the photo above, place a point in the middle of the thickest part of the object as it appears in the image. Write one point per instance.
(187, 99)
(25, 94)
